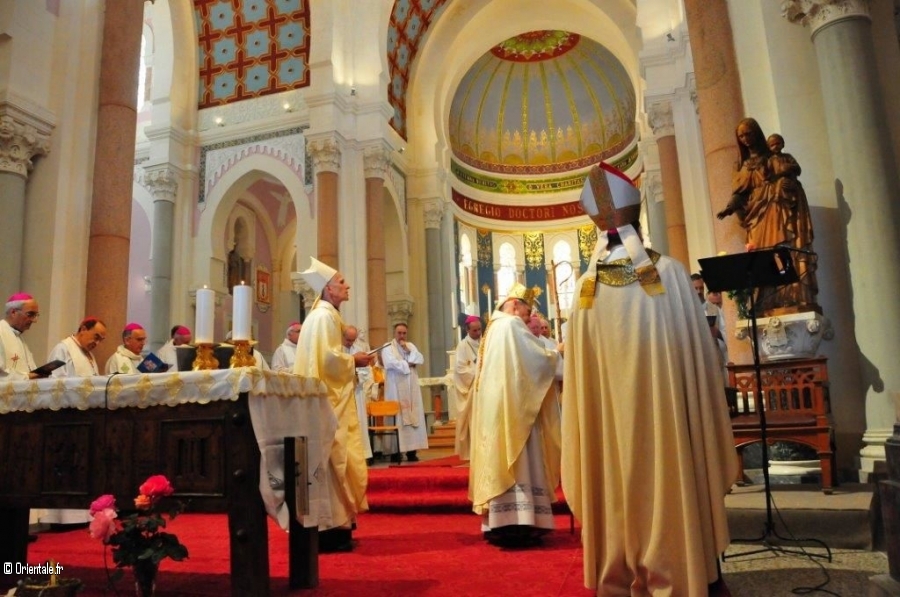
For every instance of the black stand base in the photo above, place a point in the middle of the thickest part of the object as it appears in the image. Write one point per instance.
(772, 542)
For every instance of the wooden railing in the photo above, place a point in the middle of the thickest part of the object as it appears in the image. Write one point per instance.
(797, 408)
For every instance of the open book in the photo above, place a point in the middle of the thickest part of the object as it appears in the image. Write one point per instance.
(47, 368)
(152, 364)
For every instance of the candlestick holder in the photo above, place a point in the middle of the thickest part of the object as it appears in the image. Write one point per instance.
(243, 354)
(205, 359)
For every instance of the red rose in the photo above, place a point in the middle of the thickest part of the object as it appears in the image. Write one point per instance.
(157, 486)
(103, 502)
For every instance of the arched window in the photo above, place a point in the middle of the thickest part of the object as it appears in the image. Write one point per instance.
(467, 296)
(506, 274)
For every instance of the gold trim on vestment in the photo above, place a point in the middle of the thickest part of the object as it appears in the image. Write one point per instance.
(622, 272)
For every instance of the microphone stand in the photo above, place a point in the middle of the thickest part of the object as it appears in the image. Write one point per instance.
(769, 533)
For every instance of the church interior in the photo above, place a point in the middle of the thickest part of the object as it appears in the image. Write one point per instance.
(433, 151)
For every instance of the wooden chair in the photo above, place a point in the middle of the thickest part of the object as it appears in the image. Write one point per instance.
(377, 412)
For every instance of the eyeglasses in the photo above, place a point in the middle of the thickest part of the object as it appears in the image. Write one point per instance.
(32, 314)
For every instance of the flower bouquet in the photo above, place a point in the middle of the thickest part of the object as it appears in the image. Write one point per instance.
(137, 539)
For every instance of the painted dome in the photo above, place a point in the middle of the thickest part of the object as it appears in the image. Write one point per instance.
(542, 102)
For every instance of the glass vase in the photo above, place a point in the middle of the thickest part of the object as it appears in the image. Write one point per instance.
(145, 578)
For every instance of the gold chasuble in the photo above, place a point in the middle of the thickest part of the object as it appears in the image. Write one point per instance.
(648, 454)
(320, 355)
(514, 394)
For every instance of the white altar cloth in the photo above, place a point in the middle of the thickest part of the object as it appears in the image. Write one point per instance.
(281, 405)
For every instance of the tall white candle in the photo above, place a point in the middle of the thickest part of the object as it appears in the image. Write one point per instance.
(240, 326)
(203, 322)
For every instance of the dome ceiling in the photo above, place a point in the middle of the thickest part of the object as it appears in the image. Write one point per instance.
(542, 102)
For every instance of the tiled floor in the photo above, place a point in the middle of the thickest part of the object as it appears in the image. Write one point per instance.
(771, 574)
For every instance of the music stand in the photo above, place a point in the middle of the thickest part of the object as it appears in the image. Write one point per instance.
(748, 271)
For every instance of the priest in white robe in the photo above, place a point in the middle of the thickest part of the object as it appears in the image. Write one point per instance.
(320, 355)
(76, 350)
(16, 362)
(463, 378)
(363, 388)
(128, 354)
(284, 355)
(648, 453)
(514, 468)
(401, 384)
(168, 353)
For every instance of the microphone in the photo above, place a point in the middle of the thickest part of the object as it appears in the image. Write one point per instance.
(795, 249)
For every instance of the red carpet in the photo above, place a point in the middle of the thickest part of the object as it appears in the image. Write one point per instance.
(427, 489)
(419, 489)
(398, 555)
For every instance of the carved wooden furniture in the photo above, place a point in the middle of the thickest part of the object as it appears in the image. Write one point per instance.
(107, 435)
(797, 408)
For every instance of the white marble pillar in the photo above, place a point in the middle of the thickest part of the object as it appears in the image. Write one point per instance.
(433, 211)
(867, 186)
(20, 142)
(653, 214)
(163, 186)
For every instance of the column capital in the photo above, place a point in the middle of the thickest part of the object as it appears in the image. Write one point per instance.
(307, 294)
(376, 161)
(432, 211)
(162, 182)
(660, 119)
(19, 142)
(815, 14)
(325, 153)
(400, 308)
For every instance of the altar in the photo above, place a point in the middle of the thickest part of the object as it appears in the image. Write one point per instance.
(217, 435)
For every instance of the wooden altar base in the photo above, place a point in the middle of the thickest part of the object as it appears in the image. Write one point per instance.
(67, 458)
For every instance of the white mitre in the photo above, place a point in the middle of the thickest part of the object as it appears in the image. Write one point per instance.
(613, 203)
(317, 275)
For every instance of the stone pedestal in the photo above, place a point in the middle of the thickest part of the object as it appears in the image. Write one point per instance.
(889, 492)
(790, 336)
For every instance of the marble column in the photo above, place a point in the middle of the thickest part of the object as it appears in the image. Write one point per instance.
(720, 106)
(110, 231)
(659, 116)
(20, 142)
(867, 189)
(163, 186)
(376, 162)
(433, 212)
(654, 208)
(326, 156)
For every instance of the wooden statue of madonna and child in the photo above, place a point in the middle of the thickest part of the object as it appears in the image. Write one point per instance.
(771, 205)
